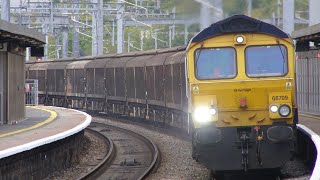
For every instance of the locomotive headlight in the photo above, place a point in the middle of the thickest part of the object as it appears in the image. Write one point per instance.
(273, 108)
(201, 114)
(212, 111)
(284, 110)
(240, 39)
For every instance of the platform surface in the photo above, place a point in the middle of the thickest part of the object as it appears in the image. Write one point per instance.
(310, 121)
(43, 125)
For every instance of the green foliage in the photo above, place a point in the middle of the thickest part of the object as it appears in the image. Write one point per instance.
(229, 7)
(265, 9)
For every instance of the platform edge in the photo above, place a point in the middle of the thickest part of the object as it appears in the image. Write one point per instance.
(48, 140)
(316, 140)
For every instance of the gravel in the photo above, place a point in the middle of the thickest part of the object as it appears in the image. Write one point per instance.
(176, 160)
(295, 170)
(94, 149)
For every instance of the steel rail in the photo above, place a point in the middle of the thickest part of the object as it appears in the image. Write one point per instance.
(107, 161)
(109, 157)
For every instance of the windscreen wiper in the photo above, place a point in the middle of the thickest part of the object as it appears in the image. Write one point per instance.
(197, 58)
(282, 54)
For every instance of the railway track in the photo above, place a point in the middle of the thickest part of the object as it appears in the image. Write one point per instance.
(268, 175)
(130, 155)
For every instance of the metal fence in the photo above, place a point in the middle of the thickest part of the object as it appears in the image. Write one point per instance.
(308, 83)
(31, 92)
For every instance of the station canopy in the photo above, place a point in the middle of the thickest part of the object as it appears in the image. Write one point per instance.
(20, 34)
(310, 33)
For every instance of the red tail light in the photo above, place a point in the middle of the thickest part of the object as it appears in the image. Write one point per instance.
(243, 102)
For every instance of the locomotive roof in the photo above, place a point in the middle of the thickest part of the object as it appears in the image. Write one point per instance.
(239, 24)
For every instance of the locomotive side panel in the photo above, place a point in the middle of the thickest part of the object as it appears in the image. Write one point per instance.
(51, 78)
(110, 82)
(150, 82)
(168, 85)
(183, 93)
(70, 81)
(95, 70)
(159, 88)
(130, 86)
(140, 83)
(90, 80)
(60, 80)
(76, 73)
(79, 75)
(41, 76)
(99, 81)
(176, 81)
(59, 75)
(173, 74)
(120, 82)
(157, 78)
(115, 74)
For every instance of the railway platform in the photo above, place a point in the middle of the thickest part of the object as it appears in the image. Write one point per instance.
(48, 138)
(310, 121)
(310, 126)
(42, 125)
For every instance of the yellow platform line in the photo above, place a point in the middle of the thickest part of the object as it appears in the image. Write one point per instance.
(310, 116)
(53, 115)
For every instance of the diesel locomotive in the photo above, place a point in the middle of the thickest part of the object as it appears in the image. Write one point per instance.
(241, 85)
(232, 88)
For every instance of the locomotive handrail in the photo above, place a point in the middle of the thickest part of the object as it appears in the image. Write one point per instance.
(316, 140)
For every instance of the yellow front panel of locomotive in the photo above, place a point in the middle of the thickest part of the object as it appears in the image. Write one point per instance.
(229, 91)
(243, 118)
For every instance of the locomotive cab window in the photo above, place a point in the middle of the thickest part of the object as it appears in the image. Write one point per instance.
(266, 61)
(215, 63)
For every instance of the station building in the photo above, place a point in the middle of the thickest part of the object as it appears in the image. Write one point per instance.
(13, 41)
